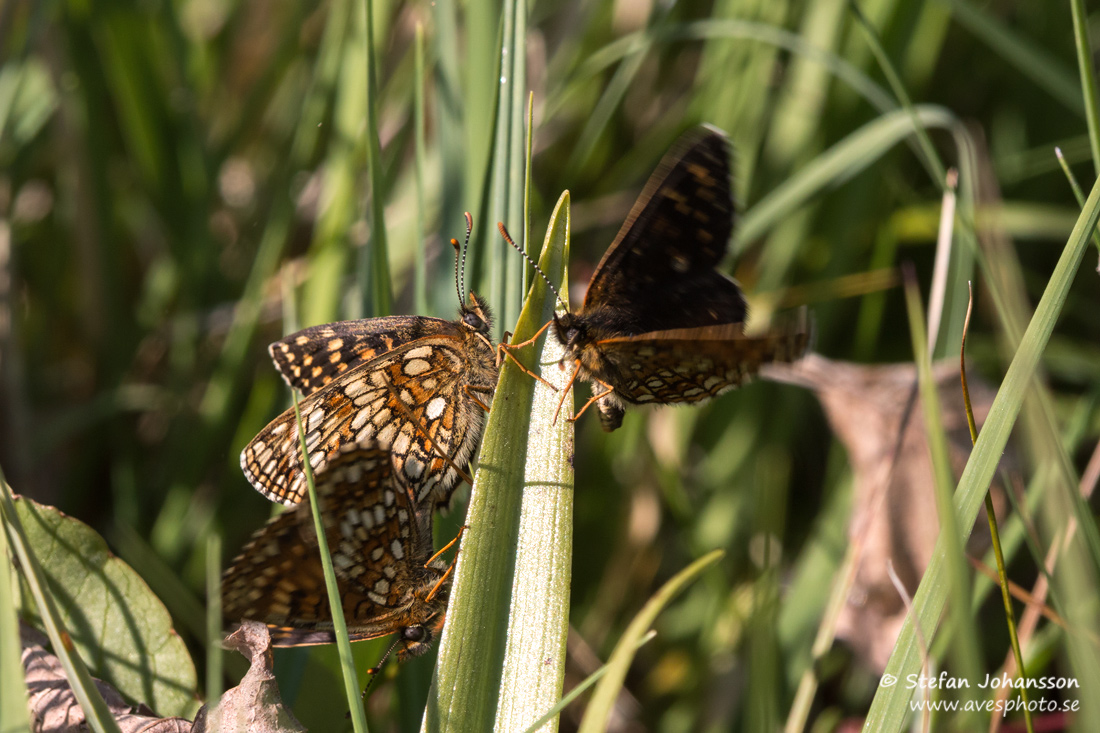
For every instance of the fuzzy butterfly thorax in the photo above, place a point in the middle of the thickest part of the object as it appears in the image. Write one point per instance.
(659, 323)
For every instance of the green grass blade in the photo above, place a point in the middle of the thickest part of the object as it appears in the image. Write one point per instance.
(420, 275)
(336, 605)
(581, 688)
(1088, 79)
(1032, 61)
(964, 649)
(505, 270)
(639, 42)
(502, 655)
(377, 288)
(14, 713)
(598, 713)
(889, 710)
(839, 163)
(214, 656)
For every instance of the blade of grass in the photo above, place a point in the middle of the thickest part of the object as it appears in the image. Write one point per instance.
(839, 163)
(96, 713)
(214, 656)
(1087, 74)
(939, 174)
(375, 261)
(14, 714)
(502, 655)
(336, 605)
(1017, 50)
(964, 648)
(505, 270)
(994, 531)
(420, 275)
(889, 709)
(577, 691)
(1079, 195)
(598, 713)
(638, 43)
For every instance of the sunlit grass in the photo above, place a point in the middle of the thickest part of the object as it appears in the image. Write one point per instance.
(177, 188)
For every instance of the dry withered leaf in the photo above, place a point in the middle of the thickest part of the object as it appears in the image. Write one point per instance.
(254, 705)
(894, 505)
(53, 705)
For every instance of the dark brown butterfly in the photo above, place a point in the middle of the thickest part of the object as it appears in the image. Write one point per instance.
(381, 553)
(659, 324)
(415, 386)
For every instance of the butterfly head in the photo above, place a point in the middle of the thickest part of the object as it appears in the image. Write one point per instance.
(570, 331)
(476, 316)
(428, 610)
(417, 639)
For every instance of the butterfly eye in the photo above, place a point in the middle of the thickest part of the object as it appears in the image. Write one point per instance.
(571, 334)
(472, 320)
(413, 633)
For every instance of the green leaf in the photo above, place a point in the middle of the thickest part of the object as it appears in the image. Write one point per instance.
(121, 630)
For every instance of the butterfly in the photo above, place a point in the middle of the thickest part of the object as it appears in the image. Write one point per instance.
(389, 579)
(659, 324)
(415, 386)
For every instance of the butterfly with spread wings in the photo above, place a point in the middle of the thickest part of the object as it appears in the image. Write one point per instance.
(659, 324)
(381, 548)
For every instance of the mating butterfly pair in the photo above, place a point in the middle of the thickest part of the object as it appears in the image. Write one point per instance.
(659, 325)
(393, 411)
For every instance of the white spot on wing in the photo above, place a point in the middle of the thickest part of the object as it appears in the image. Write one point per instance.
(436, 408)
(416, 366)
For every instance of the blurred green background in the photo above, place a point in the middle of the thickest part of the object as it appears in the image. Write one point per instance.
(182, 183)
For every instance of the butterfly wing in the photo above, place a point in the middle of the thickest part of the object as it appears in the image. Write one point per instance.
(690, 365)
(666, 251)
(405, 401)
(379, 546)
(311, 358)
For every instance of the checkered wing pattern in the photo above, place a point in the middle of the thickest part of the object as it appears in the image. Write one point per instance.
(405, 401)
(690, 365)
(313, 357)
(379, 548)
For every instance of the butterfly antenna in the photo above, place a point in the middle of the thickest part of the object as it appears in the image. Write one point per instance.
(466, 246)
(376, 669)
(458, 252)
(516, 247)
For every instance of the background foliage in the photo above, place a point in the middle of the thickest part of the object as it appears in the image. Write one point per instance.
(182, 183)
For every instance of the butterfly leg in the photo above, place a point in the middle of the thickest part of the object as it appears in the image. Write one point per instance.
(505, 351)
(418, 425)
(469, 389)
(608, 389)
(447, 546)
(450, 568)
(565, 392)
